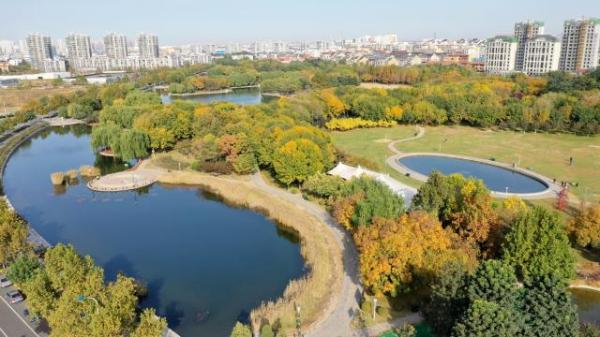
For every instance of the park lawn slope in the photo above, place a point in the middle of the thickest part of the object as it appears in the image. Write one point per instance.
(545, 153)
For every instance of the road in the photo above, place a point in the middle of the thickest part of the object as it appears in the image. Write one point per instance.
(12, 323)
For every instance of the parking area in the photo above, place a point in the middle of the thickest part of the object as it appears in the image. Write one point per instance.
(13, 322)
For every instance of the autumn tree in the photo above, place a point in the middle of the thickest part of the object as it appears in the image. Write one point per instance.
(13, 235)
(537, 244)
(393, 252)
(150, 325)
(297, 160)
(585, 227)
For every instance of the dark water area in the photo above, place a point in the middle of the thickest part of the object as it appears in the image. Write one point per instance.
(206, 263)
(495, 178)
(588, 304)
(248, 96)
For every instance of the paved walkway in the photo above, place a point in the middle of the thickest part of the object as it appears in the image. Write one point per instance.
(337, 323)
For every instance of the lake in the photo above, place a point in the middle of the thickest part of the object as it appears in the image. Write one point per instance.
(588, 304)
(196, 253)
(496, 178)
(247, 96)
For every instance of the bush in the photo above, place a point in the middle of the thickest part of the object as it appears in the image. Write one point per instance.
(89, 171)
(343, 124)
(218, 167)
(57, 178)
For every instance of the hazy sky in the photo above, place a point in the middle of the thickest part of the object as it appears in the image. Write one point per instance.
(200, 21)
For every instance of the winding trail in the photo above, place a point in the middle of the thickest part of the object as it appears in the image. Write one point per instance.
(393, 159)
(345, 306)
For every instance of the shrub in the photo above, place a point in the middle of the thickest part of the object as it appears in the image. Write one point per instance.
(218, 167)
(89, 171)
(58, 178)
(343, 124)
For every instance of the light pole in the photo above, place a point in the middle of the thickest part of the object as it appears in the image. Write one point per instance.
(298, 320)
(506, 191)
(374, 306)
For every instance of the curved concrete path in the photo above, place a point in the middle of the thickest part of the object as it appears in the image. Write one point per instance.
(393, 161)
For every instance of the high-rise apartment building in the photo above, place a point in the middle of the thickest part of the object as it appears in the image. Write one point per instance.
(115, 46)
(501, 54)
(580, 45)
(40, 49)
(148, 46)
(524, 31)
(78, 46)
(541, 55)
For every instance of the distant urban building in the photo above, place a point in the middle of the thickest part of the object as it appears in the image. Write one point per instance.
(40, 50)
(78, 46)
(148, 46)
(115, 46)
(580, 45)
(501, 54)
(525, 31)
(541, 55)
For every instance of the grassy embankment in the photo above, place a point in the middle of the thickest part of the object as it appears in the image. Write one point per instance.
(13, 99)
(547, 154)
(315, 291)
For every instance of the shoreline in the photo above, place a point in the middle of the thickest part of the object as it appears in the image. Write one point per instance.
(321, 254)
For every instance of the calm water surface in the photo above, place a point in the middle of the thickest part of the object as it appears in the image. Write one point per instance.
(495, 178)
(196, 254)
(588, 303)
(248, 96)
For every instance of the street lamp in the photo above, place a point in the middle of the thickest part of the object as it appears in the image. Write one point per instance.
(506, 190)
(374, 306)
(298, 320)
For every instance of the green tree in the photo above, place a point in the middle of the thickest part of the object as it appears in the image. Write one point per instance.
(448, 300)
(537, 245)
(23, 268)
(493, 281)
(150, 325)
(241, 330)
(266, 331)
(549, 310)
(488, 319)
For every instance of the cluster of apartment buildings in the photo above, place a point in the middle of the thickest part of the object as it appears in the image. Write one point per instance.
(531, 51)
(116, 54)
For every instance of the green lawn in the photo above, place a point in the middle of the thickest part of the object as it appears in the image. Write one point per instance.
(372, 144)
(547, 154)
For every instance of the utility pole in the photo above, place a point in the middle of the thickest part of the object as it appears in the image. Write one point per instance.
(298, 320)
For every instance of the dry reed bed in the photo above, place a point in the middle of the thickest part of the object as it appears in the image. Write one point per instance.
(315, 291)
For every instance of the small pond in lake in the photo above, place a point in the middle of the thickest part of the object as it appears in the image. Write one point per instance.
(197, 254)
(496, 178)
(249, 96)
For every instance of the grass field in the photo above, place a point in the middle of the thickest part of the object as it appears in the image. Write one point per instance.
(13, 99)
(372, 144)
(547, 154)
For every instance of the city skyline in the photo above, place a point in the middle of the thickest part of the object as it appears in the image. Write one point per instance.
(188, 23)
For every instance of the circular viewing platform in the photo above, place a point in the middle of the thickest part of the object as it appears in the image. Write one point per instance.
(122, 181)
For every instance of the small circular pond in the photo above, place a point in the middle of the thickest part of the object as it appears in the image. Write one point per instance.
(206, 263)
(496, 178)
